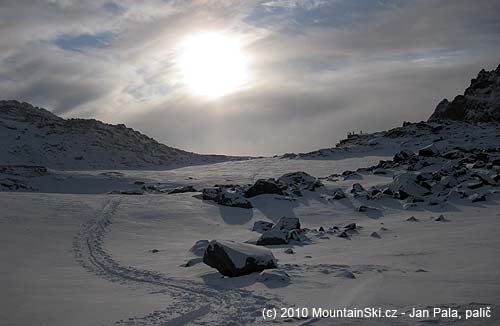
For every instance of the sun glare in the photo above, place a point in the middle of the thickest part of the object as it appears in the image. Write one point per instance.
(212, 64)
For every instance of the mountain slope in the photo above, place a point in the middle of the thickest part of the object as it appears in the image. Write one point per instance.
(34, 136)
(480, 102)
(470, 121)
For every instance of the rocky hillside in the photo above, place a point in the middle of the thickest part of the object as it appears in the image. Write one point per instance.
(470, 121)
(479, 103)
(34, 136)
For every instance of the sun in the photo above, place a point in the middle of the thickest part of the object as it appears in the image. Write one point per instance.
(212, 64)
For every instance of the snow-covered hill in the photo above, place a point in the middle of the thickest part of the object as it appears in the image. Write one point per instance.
(34, 136)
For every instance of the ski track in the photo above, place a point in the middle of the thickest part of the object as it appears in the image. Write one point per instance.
(194, 303)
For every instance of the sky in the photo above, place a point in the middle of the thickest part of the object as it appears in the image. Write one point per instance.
(315, 69)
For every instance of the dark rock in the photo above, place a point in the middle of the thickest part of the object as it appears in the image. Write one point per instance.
(441, 218)
(344, 234)
(477, 198)
(262, 226)
(261, 187)
(212, 193)
(236, 259)
(287, 223)
(351, 226)
(429, 151)
(475, 185)
(182, 189)
(338, 194)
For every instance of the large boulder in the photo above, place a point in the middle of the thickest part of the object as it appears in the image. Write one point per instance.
(226, 196)
(236, 259)
(296, 182)
(429, 151)
(182, 189)
(407, 183)
(262, 226)
(261, 187)
(287, 223)
(286, 229)
(234, 198)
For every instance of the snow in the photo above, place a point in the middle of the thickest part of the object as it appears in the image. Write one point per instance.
(44, 231)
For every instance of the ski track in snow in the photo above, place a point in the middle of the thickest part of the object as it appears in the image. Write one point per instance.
(194, 303)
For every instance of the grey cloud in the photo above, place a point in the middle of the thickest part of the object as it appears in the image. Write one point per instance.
(308, 88)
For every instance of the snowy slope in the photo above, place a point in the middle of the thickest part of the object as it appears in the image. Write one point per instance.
(34, 136)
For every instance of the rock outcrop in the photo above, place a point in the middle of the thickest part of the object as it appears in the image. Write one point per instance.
(479, 103)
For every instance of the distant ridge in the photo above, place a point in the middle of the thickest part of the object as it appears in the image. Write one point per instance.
(34, 136)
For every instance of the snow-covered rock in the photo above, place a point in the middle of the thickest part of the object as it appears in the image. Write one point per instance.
(285, 230)
(296, 182)
(262, 226)
(262, 186)
(406, 184)
(227, 196)
(182, 189)
(236, 259)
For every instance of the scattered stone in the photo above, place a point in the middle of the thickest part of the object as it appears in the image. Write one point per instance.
(183, 189)
(475, 185)
(321, 229)
(375, 235)
(287, 223)
(346, 274)
(296, 182)
(154, 251)
(261, 187)
(289, 251)
(344, 234)
(441, 218)
(351, 175)
(212, 193)
(420, 270)
(273, 237)
(286, 229)
(127, 192)
(406, 184)
(262, 226)
(338, 194)
(477, 198)
(429, 151)
(351, 226)
(412, 219)
(236, 259)
(357, 188)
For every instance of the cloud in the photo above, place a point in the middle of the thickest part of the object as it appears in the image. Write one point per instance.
(318, 68)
